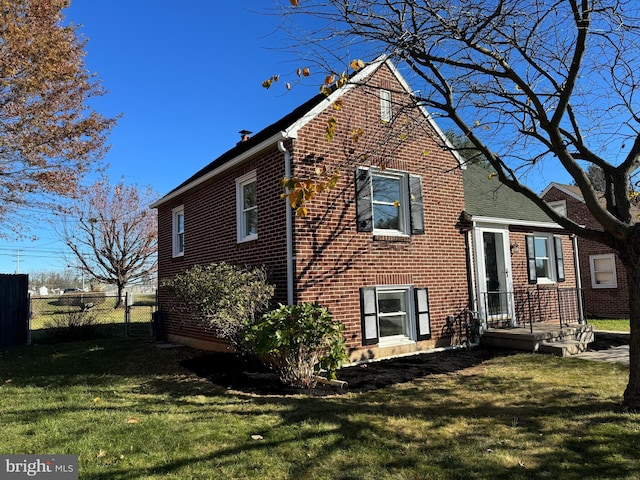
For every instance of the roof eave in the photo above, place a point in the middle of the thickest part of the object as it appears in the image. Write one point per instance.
(274, 139)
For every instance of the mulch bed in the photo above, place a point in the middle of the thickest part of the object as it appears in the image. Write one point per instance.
(250, 376)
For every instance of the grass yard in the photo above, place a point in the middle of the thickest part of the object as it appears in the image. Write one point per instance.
(611, 324)
(131, 411)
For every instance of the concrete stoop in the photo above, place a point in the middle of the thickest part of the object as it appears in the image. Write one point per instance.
(545, 338)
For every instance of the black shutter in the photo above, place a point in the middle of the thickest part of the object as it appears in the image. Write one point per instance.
(417, 205)
(557, 244)
(369, 315)
(531, 259)
(423, 318)
(364, 213)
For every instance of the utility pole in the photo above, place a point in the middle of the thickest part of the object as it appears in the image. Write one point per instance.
(17, 262)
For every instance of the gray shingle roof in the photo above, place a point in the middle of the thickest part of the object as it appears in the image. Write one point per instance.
(486, 197)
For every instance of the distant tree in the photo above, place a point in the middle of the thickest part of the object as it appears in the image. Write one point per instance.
(50, 136)
(596, 176)
(112, 233)
(54, 279)
(534, 86)
(464, 147)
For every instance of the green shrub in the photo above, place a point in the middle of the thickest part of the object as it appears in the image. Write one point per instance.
(299, 341)
(222, 297)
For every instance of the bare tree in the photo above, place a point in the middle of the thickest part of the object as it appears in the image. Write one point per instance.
(112, 233)
(50, 136)
(533, 86)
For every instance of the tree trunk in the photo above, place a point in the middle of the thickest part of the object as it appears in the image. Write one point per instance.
(119, 297)
(631, 260)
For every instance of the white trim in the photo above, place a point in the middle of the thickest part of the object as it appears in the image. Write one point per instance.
(461, 161)
(560, 206)
(175, 250)
(404, 209)
(552, 276)
(245, 179)
(563, 189)
(411, 321)
(477, 220)
(291, 132)
(481, 286)
(271, 141)
(386, 105)
(612, 258)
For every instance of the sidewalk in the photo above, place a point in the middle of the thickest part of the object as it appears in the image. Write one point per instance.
(613, 354)
(619, 354)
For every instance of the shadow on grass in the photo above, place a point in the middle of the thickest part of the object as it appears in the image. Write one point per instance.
(427, 415)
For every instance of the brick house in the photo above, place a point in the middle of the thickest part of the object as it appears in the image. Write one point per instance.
(603, 277)
(382, 250)
(522, 264)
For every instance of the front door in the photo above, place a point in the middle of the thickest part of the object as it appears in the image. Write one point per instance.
(495, 285)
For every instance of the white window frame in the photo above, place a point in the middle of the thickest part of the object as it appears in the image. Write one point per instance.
(404, 211)
(241, 182)
(410, 319)
(592, 263)
(177, 233)
(551, 261)
(386, 106)
(560, 206)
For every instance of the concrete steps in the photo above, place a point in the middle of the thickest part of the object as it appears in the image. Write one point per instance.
(562, 341)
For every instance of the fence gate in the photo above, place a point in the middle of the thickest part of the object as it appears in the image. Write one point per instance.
(138, 316)
(14, 310)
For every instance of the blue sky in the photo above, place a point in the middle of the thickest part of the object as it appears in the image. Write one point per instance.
(187, 78)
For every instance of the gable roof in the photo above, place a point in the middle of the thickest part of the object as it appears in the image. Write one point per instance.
(287, 127)
(571, 190)
(489, 199)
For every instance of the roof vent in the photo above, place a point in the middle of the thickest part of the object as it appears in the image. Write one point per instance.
(244, 135)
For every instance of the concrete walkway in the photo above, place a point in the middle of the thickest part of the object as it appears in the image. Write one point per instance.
(614, 354)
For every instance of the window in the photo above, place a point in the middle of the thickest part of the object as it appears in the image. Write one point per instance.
(545, 259)
(394, 314)
(560, 206)
(178, 231)
(388, 198)
(247, 207)
(389, 202)
(603, 271)
(386, 110)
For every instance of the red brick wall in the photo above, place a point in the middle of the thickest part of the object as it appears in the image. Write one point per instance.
(211, 233)
(599, 302)
(332, 259)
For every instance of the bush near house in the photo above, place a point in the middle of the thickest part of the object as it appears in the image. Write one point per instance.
(298, 342)
(223, 297)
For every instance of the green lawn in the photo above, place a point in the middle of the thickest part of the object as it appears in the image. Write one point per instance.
(130, 411)
(611, 324)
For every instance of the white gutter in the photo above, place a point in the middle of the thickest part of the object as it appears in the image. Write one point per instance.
(510, 221)
(289, 225)
(230, 164)
(576, 263)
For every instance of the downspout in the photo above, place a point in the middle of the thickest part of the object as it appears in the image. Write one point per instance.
(576, 262)
(470, 271)
(289, 225)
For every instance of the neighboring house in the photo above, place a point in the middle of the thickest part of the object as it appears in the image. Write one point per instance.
(382, 250)
(603, 277)
(523, 264)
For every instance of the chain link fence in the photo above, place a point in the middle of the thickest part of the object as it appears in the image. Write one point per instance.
(80, 315)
